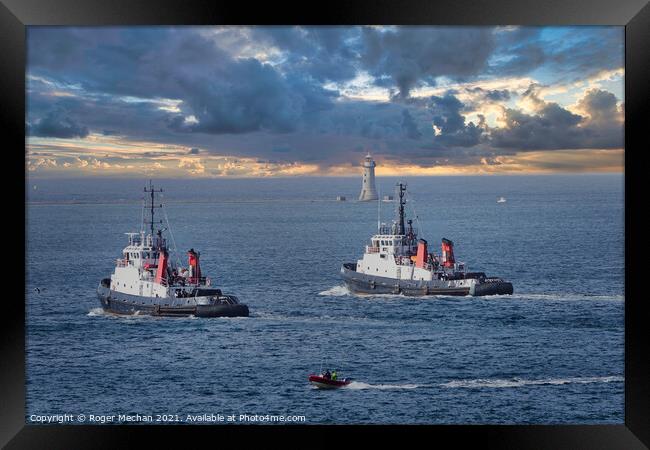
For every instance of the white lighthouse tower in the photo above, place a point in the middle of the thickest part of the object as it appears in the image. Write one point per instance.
(368, 190)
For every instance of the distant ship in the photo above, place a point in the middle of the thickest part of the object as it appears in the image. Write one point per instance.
(146, 281)
(396, 262)
(501, 200)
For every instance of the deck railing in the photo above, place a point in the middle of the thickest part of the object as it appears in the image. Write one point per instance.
(190, 281)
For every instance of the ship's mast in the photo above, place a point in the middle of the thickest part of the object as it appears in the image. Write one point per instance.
(402, 202)
(152, 192)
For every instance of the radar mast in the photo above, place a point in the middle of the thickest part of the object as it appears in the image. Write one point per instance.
(402, 202)
(152, 207)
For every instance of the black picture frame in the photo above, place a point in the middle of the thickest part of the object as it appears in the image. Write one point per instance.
(15, 15)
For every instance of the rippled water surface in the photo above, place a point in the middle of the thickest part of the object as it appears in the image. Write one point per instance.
(550, 353)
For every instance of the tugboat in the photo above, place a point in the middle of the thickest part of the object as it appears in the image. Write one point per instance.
(397, 262)
(146, 281)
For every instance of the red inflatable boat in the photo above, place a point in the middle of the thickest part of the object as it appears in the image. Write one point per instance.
(327, 383)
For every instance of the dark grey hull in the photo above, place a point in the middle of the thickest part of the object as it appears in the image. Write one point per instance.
(369, 284)
(126, 304)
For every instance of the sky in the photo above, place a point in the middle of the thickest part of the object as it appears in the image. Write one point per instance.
(256, 101)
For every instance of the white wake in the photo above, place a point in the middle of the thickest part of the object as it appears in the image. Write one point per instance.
(336, 291)
(97, 312)
(517, 382)
(342, 291)
(359, 385)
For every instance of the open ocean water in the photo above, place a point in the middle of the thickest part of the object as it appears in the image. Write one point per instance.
(552, 353)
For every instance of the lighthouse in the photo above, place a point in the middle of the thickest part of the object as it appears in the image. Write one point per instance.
(368, 190)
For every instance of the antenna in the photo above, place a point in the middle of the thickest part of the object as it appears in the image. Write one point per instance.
(152, 191)
(415, 213)
(402, 190)
(378, 209)
(169, 228)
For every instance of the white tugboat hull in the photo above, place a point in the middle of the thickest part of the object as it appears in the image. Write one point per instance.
(127, 304)
(370, 284)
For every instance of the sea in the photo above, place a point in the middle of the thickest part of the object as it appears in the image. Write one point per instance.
(551, 353)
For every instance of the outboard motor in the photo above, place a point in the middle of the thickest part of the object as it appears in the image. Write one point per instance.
(447, 253)
(195, 268)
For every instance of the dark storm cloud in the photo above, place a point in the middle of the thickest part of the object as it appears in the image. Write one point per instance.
(600, 105)
(185, 86)
(57, 124)
(248, 96)
(553, 127)
(591, 49)
(523, 59)
(566, 53)
(226, 95)
(409, 55)
(409, 126)
(446, 115)
(495, 95)
(323, 53)
(135, 120)
(605, 119)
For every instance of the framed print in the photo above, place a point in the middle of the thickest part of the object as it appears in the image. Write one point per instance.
(362, 218)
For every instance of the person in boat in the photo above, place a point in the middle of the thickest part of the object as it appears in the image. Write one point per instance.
(327, 375)
(334, 375)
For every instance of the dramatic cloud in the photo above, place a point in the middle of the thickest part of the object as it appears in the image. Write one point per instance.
(322, 53)
(409, 126)
(57, 124)
(449, 123)
(566, 53)
(553, 127)
(300, 100)
(494, 95)
(408, 56)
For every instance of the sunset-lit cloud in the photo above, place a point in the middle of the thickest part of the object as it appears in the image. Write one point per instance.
(300, 101)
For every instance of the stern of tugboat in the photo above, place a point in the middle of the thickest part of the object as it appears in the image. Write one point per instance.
(492, 286)
(222, 306)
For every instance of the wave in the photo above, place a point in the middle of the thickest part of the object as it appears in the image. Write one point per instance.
(359, 385)
(336, 291)
(554, 297)
(310, 318)
(98, 312)
(128, 318)
(568, 296)
(517, 382)
(341, 291)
